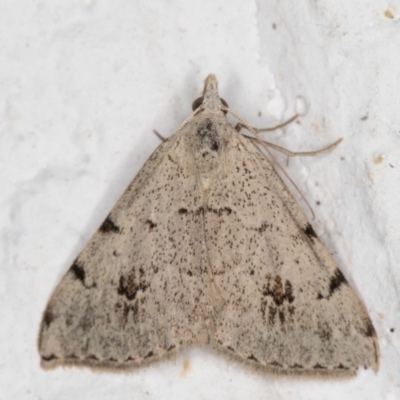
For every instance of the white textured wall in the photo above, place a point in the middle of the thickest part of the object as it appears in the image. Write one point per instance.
(82, 85)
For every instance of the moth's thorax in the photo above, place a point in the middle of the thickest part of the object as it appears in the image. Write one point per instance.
(207, 139)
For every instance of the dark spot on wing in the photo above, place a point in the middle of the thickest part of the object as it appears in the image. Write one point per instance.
(151, 224)
(252, 358)
(289, 292)
(275, 364)
(369, 329)
(309, 231)
(109, 226)
(200, 211)
(79, 274)
(135, 310)
(299, 366)
(130, 285)
(78, 271)
(263, 227)
(149, 354)
(271, 315)
(126, 309)
(87, 322)
(324, 331)
(282, 296)
(48, 317)
(336, 281)
(318, 366)
(171, 159)
(220, 211)
(49, 358)
(273, 287)
(281, 316)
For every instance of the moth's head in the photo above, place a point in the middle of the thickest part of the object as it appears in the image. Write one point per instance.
(210, 99)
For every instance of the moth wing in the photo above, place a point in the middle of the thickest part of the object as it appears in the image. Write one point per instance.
(287, 306)
(135, 294)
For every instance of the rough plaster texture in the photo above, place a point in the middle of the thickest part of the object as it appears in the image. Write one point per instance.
(82, 85)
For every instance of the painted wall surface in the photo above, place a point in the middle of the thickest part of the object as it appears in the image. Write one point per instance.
(82, 85)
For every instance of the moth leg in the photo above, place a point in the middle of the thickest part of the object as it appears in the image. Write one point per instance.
(239, 125)
(162, 138)
(289, 153)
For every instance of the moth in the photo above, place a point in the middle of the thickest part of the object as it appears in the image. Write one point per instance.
(207, 246)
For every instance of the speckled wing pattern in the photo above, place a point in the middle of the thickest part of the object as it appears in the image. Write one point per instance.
(207, 246)
(138, 290)
(288, 308)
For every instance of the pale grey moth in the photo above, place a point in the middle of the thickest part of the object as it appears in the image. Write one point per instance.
(207, 246)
